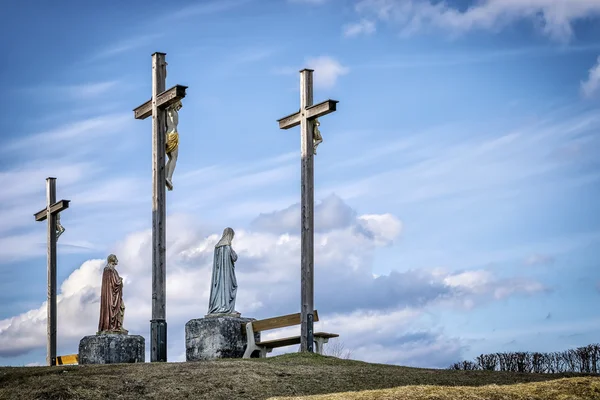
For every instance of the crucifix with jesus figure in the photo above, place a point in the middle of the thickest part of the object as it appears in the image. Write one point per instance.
(163, 107)
(310, 137)
(55, 229)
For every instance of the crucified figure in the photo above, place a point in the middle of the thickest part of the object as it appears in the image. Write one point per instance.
(172, 141)
(317, 138)
(59, 228)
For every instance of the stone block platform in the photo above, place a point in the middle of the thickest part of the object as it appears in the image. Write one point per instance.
(219, 336)
(112, 349)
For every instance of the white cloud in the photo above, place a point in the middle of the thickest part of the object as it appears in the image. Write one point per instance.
(555, 18)
(345, 289)
(327, 71)
(364, 26)
(591, 85)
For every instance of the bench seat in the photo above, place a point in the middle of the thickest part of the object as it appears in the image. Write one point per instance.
(267, 346)
(289, 341)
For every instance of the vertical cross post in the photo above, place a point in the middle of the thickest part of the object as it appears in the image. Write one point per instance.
(307, 217)
(50, 212)
(305, 118)
(158, 324)
(156, 107)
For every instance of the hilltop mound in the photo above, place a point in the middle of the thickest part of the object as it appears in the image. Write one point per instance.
(282, 377)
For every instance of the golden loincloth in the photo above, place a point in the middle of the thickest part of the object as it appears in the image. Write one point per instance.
(172, 141)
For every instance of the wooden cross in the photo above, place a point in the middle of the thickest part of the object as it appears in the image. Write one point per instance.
(155, 107)
(305, 118)
(50, 213)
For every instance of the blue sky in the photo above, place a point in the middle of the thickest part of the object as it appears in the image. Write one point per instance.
(456, 186)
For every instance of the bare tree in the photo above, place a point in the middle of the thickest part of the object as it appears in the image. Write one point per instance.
(335, 348)
(487, 362)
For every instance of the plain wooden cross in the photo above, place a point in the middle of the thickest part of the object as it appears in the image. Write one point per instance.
(52, 209)
(305, 118)
(155, 107)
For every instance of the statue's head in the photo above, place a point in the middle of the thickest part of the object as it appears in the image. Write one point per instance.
(177, 106)
(112, 260)
(227, 237)
(229, 233)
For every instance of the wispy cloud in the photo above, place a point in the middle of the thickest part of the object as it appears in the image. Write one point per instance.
(126, 45)
(90, 90)
(555, 18)
(82, 130)
(591, 85)
(463, 58)
(498, 164)
(313, 2)
(206, 8)
(364, 26)
(539, 259)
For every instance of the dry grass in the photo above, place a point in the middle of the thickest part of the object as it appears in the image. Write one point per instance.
(561, 389)
(283, 377)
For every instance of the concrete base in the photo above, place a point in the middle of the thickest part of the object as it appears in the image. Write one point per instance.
(112, 349)
(216, 337)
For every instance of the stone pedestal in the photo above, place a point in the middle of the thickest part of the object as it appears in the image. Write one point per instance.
(112, 349)
(214, 337)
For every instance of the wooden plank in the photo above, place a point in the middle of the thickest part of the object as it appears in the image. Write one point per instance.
(318, 110)
(312, 112)
(164, 100)
(289, 121)
(271, 344)
(326, 335)
(54, 208)
(158, 344)
(288, 341)
(68, 359)
(306, 218)
(278, 322)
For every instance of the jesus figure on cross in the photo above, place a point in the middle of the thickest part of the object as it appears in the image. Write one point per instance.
(172, 141)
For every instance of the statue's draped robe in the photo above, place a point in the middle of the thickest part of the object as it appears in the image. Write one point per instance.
(223, 287)
(112, 308)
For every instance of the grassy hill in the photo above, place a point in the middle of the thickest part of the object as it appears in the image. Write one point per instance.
(291, 376)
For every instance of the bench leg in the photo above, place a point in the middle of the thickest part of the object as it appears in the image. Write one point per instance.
(319, 342)
(249, 350)
(251, 346)
(263, 352)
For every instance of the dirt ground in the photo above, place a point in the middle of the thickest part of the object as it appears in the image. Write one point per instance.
(288, 376)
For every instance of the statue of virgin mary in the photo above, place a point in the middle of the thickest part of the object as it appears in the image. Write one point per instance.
(223, 283)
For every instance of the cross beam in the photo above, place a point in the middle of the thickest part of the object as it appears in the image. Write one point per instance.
(156, 107)
(312, 112)
(49, 213)
(163, 101)
(305, 117)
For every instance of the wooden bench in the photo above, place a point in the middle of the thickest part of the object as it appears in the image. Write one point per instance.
(68, 359)
(267, 346)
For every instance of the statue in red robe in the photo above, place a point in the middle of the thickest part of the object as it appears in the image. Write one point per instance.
(112, 308)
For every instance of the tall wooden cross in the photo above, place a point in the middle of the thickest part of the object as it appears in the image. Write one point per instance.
(155, 107)
(305, 118)
(50, 213)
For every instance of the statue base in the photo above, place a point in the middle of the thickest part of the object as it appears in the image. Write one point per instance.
(112, 348)
(216, 337)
